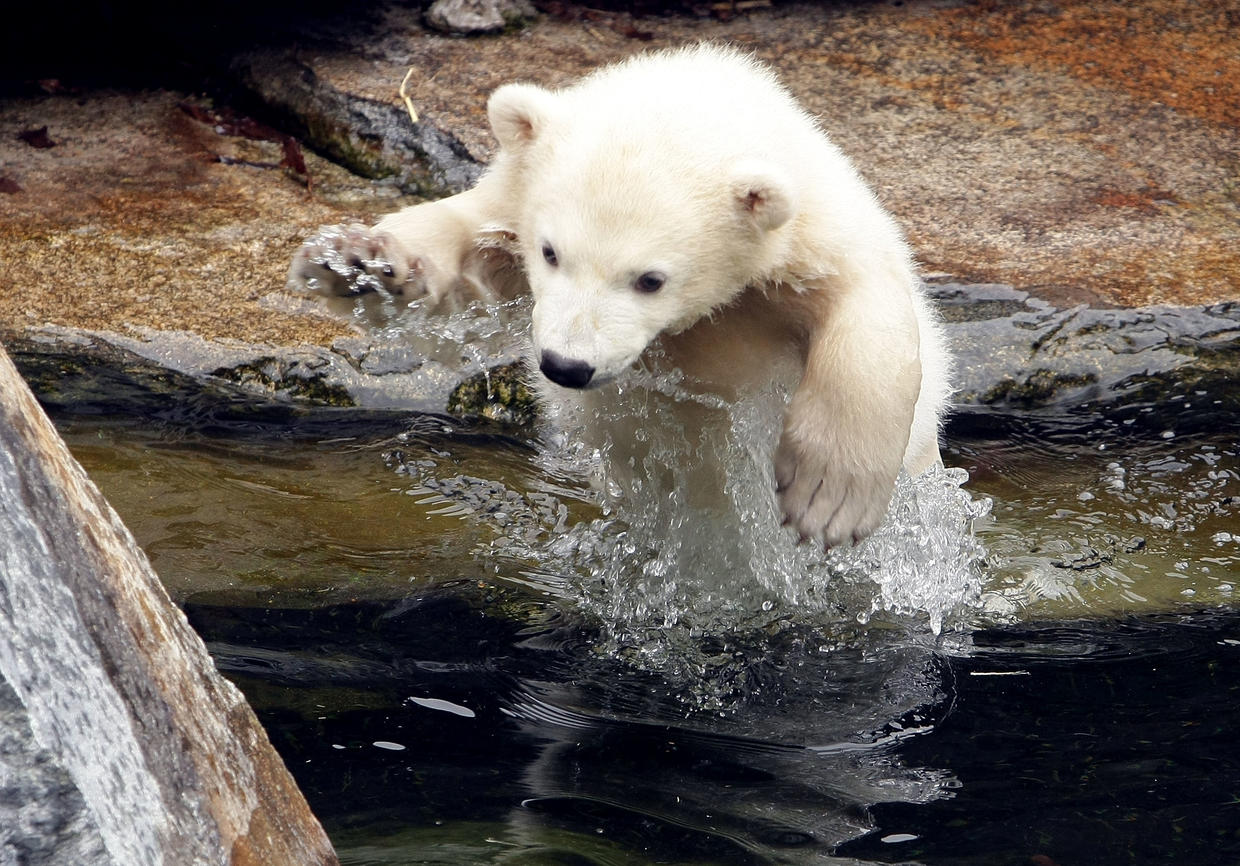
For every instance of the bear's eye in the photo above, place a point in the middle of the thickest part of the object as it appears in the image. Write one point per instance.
(549, 255)
(650, 282)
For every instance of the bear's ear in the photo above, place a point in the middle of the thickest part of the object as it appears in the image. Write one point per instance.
(519, 113)
(764, 193)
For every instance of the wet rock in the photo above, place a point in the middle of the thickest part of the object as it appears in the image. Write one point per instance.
(369, 373)
(1083, 560)
(467, 17)
(1013, 351)
(293, 377)
(118, 692)
(501, 394)
(1017, 351)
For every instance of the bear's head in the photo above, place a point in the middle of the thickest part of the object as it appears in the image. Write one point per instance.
(633, 221)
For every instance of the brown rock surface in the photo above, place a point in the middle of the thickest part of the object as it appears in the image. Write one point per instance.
(131, 220)
(1084, 151)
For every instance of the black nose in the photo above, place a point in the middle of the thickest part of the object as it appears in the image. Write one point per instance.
(565, 371)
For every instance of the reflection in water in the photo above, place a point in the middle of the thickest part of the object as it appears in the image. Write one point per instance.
(550, 744)
(1088, 742)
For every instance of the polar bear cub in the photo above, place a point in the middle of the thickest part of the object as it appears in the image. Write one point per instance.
(683, 200)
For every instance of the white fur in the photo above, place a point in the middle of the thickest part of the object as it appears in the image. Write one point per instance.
(696, 166)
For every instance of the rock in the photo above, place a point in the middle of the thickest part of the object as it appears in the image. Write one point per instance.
(1015, 351)
(42, 813)
(170, 764)
(468, 17)
(139, 222)
(1008, 155)
(996, 140)
(500, 393)
(369, 132)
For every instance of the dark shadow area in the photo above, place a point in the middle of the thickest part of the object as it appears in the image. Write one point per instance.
(1061, 743)
(1082, 743)
(146, 44)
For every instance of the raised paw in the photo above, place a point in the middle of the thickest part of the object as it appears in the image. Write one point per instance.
(830, 496)
(346, 261)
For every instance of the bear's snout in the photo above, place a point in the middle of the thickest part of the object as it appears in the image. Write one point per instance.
(567, 372)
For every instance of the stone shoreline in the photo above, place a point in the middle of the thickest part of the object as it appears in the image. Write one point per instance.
(1053, 150)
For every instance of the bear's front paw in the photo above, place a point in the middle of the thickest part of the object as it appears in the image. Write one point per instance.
(345, 261)
(828, 495)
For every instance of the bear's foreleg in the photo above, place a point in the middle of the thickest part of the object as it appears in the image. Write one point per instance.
(848, 424)
(446, 252)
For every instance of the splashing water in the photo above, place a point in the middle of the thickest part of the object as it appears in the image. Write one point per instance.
(684, 548)
(692, 547)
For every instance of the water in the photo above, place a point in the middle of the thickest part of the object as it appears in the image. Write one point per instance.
(470, 650)
(1097, 516)
(1090, 742)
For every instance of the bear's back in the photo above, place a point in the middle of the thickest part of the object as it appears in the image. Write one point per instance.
(702, 98)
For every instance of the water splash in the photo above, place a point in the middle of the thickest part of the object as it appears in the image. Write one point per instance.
(670, 541)
(691, 549)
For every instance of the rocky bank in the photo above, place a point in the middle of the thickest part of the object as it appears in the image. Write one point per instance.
(1073, 152)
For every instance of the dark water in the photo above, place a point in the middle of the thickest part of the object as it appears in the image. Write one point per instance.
(1099, 744)
(1084, 743)
(436, 713)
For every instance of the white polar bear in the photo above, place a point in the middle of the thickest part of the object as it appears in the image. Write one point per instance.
(683, 200)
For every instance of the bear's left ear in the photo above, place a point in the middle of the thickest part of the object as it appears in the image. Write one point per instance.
(765, 193)
(519, 113)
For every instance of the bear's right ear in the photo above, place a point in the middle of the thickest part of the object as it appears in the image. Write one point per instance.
(519, 113)
(765, 193)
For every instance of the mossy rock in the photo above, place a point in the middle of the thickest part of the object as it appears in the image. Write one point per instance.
(272, 375)
(499, 394)
(1040, 386)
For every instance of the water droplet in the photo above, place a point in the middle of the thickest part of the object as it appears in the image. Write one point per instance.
(894, 838)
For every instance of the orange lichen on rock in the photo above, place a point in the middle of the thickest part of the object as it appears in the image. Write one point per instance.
(1181, 53)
